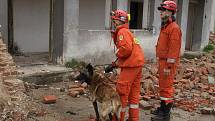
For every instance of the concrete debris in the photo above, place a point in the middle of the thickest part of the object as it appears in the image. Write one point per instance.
(211, 80)
(206, 110)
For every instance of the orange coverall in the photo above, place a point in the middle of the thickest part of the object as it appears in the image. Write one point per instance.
(168, 54)
(130, 60)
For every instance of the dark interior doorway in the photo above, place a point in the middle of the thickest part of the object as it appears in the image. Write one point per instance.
(136, 11)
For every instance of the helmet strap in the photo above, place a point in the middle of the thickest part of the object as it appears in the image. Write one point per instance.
(165, 18)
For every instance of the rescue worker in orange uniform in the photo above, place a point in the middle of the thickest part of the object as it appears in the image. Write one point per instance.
(168, 54)
(130, 60)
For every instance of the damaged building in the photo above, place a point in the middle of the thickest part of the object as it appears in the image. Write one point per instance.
(80, 29)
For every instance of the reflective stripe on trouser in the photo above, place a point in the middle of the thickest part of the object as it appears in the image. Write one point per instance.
(134, 112)
(166, 81)
(128, 87)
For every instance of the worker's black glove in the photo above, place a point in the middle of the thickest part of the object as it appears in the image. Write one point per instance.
(109, 68)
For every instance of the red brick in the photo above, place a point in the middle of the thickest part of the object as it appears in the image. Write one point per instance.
(73, 86)
(73, 93)
(48, 99)
(145, 97)
(2, 69)
(81, 90)
(189, 69)
(6, 73)
(14, 73)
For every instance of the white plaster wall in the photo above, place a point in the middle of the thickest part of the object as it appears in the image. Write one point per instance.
(92, 14)
(148, 42)
(94, 46)
(31, 25)
(3, 19)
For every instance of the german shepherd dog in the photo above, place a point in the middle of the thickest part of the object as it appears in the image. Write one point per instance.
(101, 91)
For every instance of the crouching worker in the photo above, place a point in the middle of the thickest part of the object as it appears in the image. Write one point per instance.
(130, 61)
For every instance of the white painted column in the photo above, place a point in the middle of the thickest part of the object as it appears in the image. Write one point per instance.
(184, 20)
(107, 14)
(122, 4)
(71, 29)
(3, 19)
(157, 20)
(145, 13)
(206, 23)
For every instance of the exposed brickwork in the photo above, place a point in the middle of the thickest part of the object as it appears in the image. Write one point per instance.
(7, 65)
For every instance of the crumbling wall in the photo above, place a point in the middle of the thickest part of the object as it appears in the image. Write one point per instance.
(14, 103)
(7, 65)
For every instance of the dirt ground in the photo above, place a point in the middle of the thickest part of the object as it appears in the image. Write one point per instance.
(80, 108)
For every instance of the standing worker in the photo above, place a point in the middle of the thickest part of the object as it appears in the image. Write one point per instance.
(168, 54)
(130, 60)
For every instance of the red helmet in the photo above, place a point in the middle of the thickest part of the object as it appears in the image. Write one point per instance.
(168, 5)
(120, 15)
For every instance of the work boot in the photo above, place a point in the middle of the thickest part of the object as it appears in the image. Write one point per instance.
(159, 109)
(163, 115)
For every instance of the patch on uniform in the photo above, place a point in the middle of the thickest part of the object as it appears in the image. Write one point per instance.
(136, 41)
(120, 37)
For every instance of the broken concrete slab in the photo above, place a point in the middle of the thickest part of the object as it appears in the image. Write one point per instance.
(211, 80)
(192, 55)
(206, 110)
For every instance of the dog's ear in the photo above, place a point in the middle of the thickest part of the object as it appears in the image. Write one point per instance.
(90, 69)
